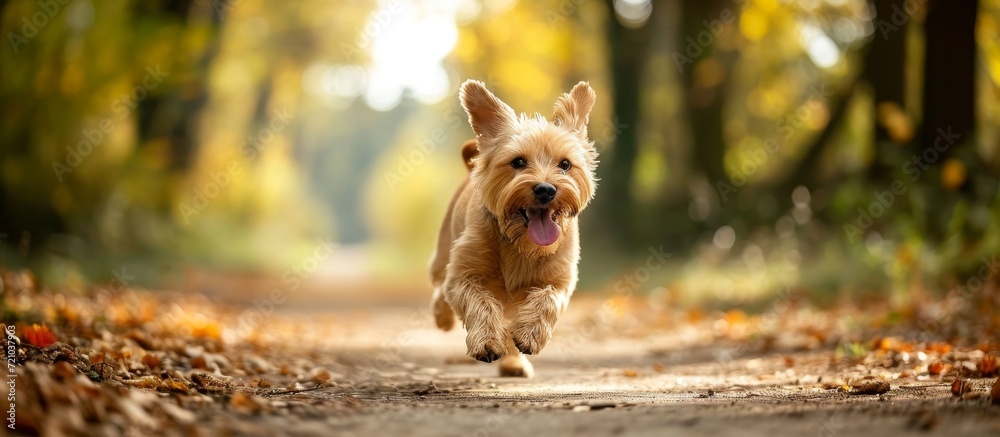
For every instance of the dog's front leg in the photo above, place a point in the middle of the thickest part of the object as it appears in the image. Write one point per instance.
(482, 315)
(536, 318)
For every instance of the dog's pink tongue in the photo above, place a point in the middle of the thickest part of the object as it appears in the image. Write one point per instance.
(541, 229)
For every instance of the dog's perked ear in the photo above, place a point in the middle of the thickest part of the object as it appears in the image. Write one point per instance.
(573, 108)
(489, 117)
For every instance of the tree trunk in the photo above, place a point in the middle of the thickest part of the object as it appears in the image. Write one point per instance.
(628, 53)
(949, 70)
(704, 103)
(949, 103)
(885, 71)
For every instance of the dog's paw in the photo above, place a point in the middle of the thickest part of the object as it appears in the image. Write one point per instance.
(444, 316)
(444, 321)
(527, 347)
(488, 353)
(515, 365)
(486, 350)
(530, 338)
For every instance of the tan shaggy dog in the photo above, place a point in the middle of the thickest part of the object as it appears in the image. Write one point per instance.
(507, 253)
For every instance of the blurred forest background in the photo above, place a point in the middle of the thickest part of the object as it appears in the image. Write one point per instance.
(837, 147)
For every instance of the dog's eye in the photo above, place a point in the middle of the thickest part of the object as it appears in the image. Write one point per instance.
(565, 165)
(519, 163)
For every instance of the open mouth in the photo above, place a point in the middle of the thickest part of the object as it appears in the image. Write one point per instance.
(541, 223)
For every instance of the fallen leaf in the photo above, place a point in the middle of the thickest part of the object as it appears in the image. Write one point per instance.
(321, 376)
(960, 387)
(831, 385)
(151, 361)
(173, 385)
(144, 382)
(101, 371)
(244, 403)
(97, 358)
(988, 365)
(941, 348)
(63, 370)
(734, 317)
(140, 339)
(199, 362)
(206, 329)
(695, 316)
(819, 335)
(886, 343)
(868, 386)
(211, 383)
(937, 368)
(39, 335)
(630, 373)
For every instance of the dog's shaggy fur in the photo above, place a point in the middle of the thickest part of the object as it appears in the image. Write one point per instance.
(507, 253)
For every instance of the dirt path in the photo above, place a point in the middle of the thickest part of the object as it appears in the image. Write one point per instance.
(414, 380)
(142, 363)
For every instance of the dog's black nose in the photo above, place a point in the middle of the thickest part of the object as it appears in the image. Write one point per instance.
(545, 192)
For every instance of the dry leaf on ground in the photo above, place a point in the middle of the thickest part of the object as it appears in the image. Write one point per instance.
(868, 386)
